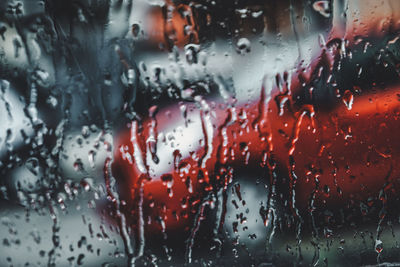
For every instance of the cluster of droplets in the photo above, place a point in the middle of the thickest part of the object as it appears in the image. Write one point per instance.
(58, 166)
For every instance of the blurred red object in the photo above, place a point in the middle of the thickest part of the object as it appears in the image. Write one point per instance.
(331, 157)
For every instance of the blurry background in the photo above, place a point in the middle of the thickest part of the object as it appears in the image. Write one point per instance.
(74, 73)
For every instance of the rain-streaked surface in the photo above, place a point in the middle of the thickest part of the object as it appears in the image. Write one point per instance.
(199, 133)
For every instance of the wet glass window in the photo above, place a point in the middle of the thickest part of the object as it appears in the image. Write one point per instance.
(199, 133)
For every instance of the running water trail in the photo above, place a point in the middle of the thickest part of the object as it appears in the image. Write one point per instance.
(152, 138)
(113, 196)
(195, 228)
(208, 133)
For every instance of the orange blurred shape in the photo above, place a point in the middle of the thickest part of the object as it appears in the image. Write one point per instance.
(172, 25)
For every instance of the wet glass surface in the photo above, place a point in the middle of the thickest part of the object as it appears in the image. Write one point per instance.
(199, 133)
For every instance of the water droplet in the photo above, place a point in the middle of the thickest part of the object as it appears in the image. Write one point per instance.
(243, 46)
(323, 8)
(348, 99)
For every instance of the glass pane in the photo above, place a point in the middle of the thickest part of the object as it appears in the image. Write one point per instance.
(199, 133)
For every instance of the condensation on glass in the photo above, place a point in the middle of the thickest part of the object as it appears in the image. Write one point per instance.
(199, 133)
